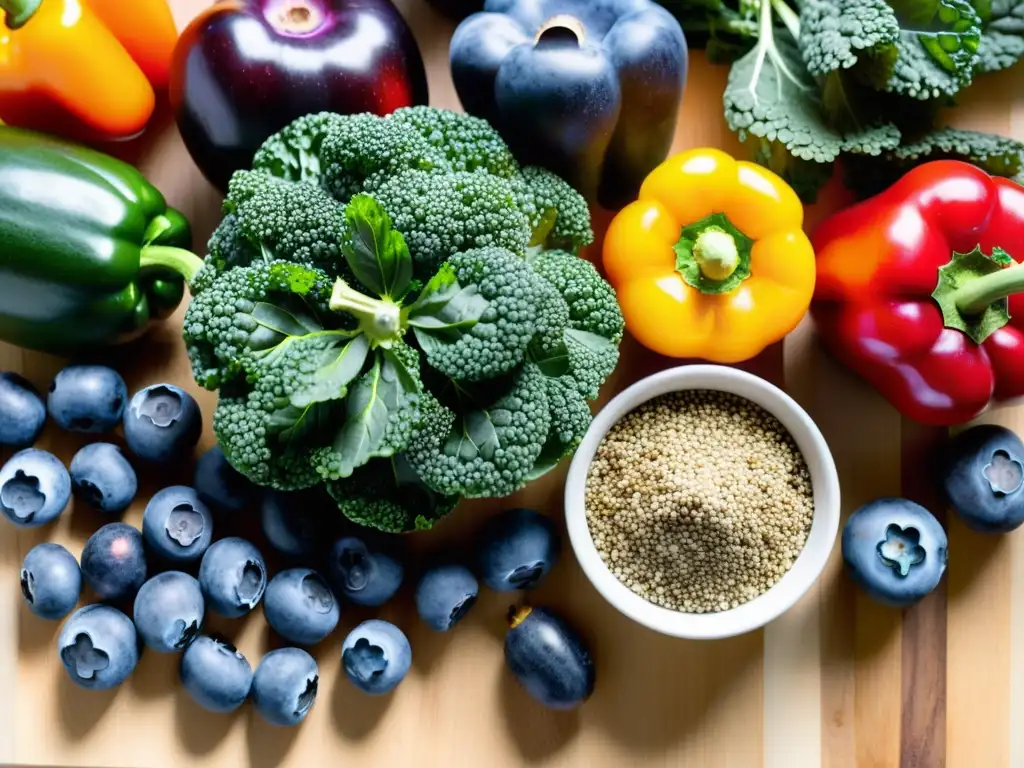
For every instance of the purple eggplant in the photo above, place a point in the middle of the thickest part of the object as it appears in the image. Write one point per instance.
(244, 69)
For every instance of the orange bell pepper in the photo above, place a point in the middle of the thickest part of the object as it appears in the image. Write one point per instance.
(711, 261)
(84, 68)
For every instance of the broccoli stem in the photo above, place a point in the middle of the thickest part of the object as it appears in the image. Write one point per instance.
(179, 260)
(380, 319)
(788, 17)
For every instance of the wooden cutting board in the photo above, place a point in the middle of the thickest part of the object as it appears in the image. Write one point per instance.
(837, 682)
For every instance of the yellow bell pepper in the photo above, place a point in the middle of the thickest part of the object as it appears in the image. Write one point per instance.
(711, 261)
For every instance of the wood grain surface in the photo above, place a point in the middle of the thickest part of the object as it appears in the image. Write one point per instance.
(838, 682)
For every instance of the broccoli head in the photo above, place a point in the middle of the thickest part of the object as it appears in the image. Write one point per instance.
(364, 146)
(248, 311)
(468, 143)
(293, 153)
(388, 495)
(570, 419)
(495, 439)
(441, 214)
(592, 303)
(292, 221)
(495, 288)
(559, 216)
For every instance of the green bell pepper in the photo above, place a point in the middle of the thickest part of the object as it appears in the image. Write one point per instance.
(90, 254)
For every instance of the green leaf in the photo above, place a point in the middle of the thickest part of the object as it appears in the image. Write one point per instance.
(963, 269)
(997, 155)
(445, 310)
(771, 96)
(834, 34)
(340, 367)
(935, 53)
(1002, 34)
(376, 253)
(377, 396)
(294, 427)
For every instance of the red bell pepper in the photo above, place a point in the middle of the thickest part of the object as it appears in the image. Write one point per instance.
(918, 291)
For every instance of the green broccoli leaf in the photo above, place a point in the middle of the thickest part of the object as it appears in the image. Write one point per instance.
(374, 400)
(339, 369)
(771, 96)
(375, 251)
(996, 155)
(445, 309)
(1002, 34)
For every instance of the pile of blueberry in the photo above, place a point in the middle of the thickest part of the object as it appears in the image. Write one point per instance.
(896, 549)
(145, 574)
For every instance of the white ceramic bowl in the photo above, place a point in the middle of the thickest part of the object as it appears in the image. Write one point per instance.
(809, 564)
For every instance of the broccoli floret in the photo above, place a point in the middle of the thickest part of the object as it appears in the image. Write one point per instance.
(498, 290)
(441, 214)
(468, 143)
(494, 441)
(228, 247)
(293, 153)
(292, 221)
(570, 419)
(559, 215)
(592, 303)
(388, 495)
(364, 146)
(552, 319)
(248, 311)
(591, 360)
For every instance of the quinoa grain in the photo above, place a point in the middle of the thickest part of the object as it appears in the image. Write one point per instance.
(699, 501)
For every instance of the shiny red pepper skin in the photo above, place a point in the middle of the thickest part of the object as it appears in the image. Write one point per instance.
(878, 264)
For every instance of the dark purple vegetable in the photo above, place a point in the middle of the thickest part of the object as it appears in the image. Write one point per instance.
(590, 90)
(244, 69)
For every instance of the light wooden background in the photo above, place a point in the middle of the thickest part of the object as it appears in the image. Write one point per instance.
(837, 682)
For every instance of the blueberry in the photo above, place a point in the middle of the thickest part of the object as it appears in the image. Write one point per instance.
(215, 674)
(292, 522)
(444, 596)
(177, 525)
(376, 656)
(22, 411)
(364, 577)
(162, 423)
(233, 577)
(895, 550)
(284, 686)
(114, 561)
(34, 488)
(984, 478)
(51, 581)
(300, 607)
(548, 658)
(99, 647)
(169, 611)
(87, 398)
(102, 477)
(517, 549)
(221, 486)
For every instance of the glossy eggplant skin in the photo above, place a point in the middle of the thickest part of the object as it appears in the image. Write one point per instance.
(244, 69)
(590, 89)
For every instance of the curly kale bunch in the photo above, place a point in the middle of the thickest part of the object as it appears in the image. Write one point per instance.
(815, 81)
(393, 308)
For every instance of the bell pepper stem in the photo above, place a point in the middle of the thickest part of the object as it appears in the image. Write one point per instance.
(179, 260)
(978, 294)
(716, 253)
(18, 12)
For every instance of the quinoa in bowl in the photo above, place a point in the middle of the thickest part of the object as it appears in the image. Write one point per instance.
(699, 500)
(703, 502)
